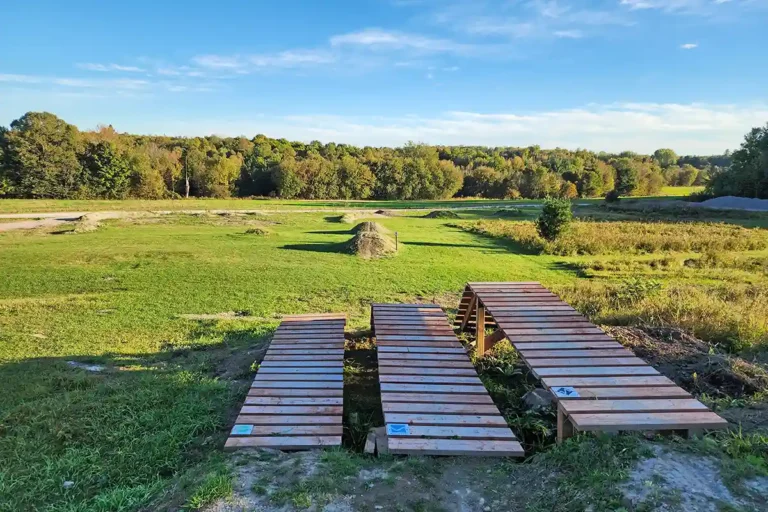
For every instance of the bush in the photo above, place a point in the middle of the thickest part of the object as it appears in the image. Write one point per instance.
(613, 196)
(555, 218)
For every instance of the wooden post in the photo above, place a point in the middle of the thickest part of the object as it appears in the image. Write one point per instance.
(480, 329)
(470, 308)
(564, 426)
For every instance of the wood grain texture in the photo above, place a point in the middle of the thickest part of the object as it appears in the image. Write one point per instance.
(296, 399)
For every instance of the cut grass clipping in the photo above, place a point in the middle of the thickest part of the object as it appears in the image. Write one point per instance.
(257, 232)
(371, 240)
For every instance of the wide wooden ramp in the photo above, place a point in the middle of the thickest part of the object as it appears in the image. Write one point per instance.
(296, 399)
(598, 384)
(433, 401)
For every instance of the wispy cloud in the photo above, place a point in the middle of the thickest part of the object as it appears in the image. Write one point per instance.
(379, 39)
(90, 66)
(242, 64)
(55, 84)
(642, 127)
(689, 46)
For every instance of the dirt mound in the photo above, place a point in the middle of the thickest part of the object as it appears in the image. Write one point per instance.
(87, 223)
(509, 213)
(371, 244)
(257, 231)
(442, 214)
(693, 363)
(735, 203)
(349, 218)
(370, 227)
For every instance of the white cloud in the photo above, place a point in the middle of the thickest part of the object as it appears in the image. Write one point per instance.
(569, 34)
(376, 38)
(689, 46)
(242, 64)
(221, 62)
(642, 127)
(89, 66)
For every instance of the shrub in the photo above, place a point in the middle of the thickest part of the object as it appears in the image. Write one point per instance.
(613, 196)
(555, 218)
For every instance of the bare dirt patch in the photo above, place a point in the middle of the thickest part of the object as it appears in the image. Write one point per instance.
(692, 363)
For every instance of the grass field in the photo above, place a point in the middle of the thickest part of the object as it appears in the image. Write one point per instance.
(146, 431)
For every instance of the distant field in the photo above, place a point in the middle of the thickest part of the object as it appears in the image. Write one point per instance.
(680, 191)
(64, 205)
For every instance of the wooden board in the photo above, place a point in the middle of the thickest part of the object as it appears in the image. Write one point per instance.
(296, 399)
(430, 391)
(612, 388)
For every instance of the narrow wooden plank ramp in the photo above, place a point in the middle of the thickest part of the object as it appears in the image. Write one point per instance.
(296, 399)
(597, 383)
(433, 401)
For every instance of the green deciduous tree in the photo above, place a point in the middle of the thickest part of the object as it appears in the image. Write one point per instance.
(42, 157)
(748, 174)
(665, 157)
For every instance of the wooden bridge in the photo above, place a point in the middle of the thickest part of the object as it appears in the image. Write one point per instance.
(296, 399)
(597, 383)
(433, 401)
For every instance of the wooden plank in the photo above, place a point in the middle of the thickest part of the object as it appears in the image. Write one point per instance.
(446, 419)
(316, 377)
(459, 432)
(569, 354)
(423, 350)
(422, 363)
(415, 370)
(441, 408)
(405, 337)
(387, 343)
(296, 384)
(318, 358)
(454, 447)
(648, 421)
(282, 443)
(282, 392)
(622, 406)
(432, 388)
(263, 419)
(282, 400)
(411, 356)
(452, 398)
(293, 430)
(293, 410)
(515, 332)
(316, 352)
(302, 348)
(566, 345)
(516, 314)
(304, 370)
(559, 338)
(616, 371)
(657, 380)
(567, 322)
(274, 364)
(470, 308)
(414, 379)
(585, 362)
(627, 392)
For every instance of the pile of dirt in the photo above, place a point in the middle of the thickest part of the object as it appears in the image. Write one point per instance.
(349, 218)
(257, 231)
(370, 227)
(442, 214)
(509, 213)
(735, 203)
(692, 363)
(371, 241)
(87, 223)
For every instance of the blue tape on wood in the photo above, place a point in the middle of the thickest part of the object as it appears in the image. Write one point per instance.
(398, 429)
(242, 430)
(566, 392)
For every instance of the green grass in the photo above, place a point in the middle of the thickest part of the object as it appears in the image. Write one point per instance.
(680, 191)
(126, 437)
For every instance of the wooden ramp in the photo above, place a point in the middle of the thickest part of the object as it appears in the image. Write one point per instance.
(433, 401)
(296, 399)
(598, 384)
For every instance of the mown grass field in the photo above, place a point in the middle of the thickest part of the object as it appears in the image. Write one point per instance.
(146, 432)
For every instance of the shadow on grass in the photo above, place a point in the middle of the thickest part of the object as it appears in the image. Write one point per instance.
(337, 247)
(495, 243)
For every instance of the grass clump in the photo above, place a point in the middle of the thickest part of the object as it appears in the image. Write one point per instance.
(588, 237)
(257, 231)
(216, 486)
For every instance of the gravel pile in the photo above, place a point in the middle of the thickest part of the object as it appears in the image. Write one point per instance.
(735, 203)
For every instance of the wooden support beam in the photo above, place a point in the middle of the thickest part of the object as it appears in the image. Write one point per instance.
(564, 427)
(480, 329)
(468, 313)
(492, 339)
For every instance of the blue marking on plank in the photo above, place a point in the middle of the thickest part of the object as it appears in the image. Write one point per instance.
(566, 392)
(242, 430)
(398, 429)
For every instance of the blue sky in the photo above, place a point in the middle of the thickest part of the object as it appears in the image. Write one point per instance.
(601, 74)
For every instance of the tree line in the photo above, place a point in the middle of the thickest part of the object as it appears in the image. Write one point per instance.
(42, 156)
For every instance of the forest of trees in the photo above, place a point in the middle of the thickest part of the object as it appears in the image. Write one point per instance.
(42, 156)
